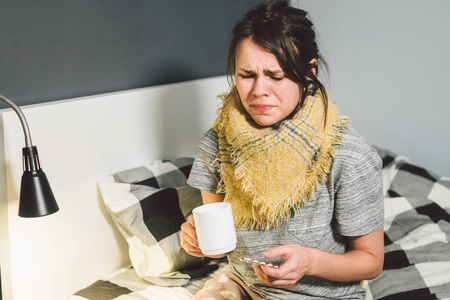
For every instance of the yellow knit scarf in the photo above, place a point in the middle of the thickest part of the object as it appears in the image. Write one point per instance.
(269, 173)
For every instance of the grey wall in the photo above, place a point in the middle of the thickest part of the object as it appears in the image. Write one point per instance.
(390, 72)
(52, 50)
(389, 60)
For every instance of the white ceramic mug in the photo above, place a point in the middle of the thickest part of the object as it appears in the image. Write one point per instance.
(215, 228)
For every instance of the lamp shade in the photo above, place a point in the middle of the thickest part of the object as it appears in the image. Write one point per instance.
(36, 196)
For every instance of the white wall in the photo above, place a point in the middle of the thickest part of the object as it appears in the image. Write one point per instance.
(390, 72)
(80, 142)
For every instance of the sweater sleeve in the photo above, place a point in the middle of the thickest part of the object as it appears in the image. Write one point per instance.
(205, 174)
(359, 206)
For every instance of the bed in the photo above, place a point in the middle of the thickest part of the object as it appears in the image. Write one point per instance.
(417, 232)
(118, 165)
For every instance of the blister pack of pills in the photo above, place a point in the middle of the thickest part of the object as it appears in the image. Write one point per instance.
(258, 262)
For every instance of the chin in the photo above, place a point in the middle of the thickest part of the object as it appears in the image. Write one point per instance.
(263, 122)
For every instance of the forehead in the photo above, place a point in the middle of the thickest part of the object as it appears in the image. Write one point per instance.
(251, 56)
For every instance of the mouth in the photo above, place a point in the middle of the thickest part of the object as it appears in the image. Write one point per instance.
(261, 107)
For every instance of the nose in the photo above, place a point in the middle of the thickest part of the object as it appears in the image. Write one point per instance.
(260, 87)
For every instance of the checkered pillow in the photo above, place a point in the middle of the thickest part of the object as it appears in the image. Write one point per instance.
(148, 205)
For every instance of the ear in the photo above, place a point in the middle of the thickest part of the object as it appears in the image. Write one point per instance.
(313, 66)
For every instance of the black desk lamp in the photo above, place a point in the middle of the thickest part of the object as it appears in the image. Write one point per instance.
(36, 196)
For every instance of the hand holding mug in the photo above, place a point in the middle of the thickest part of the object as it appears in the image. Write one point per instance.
(189, 240)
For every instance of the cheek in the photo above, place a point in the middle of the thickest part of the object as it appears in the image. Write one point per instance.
(291, 97)
(243, 92)
(241, 87)
(244, 85)
(295, 101)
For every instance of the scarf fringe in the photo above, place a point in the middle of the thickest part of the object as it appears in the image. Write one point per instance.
(300, 194)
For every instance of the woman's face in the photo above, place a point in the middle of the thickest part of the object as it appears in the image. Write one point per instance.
(265, 92)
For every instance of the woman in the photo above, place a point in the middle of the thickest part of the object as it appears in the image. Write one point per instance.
(305, 188)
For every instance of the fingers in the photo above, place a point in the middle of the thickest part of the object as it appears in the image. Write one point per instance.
(271, 272)
(281, 251)
(289, 272)
(274, 277)
(191, 221)
(188, 237)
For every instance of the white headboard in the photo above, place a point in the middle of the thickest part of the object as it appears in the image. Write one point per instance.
(80, 141)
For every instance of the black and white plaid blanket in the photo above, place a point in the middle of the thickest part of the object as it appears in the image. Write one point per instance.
(417, 232)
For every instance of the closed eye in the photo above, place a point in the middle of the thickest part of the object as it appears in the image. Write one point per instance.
(275, 75)
(247, 75)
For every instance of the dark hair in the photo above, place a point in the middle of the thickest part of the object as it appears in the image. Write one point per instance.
(286, 32)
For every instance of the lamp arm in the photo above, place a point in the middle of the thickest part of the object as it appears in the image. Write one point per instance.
(26, 129)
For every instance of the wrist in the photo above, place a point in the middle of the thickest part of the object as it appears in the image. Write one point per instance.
(312, 262)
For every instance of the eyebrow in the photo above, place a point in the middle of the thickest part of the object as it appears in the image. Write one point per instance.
(275, 72)
(270, 72)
